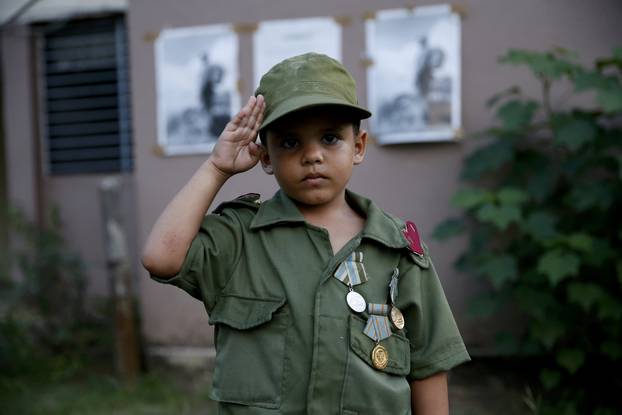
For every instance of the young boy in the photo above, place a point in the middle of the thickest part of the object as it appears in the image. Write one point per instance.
(323, 303)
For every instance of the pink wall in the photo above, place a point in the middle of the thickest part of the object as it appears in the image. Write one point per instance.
(76, 196)
(19, 120)
(414, 181)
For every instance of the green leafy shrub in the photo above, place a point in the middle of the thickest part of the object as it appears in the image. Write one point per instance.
(543, 212)
(45, 328)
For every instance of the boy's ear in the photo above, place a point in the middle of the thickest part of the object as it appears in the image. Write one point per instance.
(264, 158)
(360, 145)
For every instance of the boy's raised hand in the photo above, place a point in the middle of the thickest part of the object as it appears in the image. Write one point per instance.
(236, 150)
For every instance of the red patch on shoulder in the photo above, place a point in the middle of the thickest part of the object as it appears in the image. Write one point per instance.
(412, 236)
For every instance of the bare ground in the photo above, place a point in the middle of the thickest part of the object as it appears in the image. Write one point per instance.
(488, 387)
(480, 387)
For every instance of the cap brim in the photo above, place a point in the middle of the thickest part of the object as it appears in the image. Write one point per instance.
(307, 101)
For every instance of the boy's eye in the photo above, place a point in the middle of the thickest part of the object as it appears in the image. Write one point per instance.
(289, 143)
(330, 138)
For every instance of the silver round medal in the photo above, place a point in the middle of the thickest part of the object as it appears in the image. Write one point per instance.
(356, 302)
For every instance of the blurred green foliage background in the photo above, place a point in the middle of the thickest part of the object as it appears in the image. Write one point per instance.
(541, 208)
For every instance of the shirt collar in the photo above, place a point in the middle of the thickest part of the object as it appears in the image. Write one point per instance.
(379, 225)
(278, 210)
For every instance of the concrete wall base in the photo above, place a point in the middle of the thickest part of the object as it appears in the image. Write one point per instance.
(190, 359)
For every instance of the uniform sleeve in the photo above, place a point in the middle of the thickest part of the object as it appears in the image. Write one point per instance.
(435, 342)
(210, 260)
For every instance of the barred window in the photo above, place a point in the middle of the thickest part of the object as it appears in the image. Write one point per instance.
(87, 96)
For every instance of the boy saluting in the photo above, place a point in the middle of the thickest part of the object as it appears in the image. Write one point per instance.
(322, 302)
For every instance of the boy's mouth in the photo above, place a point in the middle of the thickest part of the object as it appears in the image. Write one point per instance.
(313, 178)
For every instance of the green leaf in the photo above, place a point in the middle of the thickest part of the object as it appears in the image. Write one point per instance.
(541, 183)
(448, 229)
(584, 294)
(548, 332)
(580, 241)
(551, 65)
(609, 309)
(550, 378)
(586, 80)
(575, 133)
(499, 270)
(607, 87)
(611, 99)
(506, 343)
(612, 349)
(516, 115)
(558, 265)
(615, 60)
(486, 159)
(570, 359)
(500, 216)
(509, 92)
(484, 305)
(619, 160)
(574, 167)
(536, 303)
(592, 195)
(540, 225)
(602, 253)
(512, 196)
(468, 198)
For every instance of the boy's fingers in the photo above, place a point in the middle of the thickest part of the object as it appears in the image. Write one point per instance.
(259, 119)
(254, 149)
(236, 121)
(241, 118)
(250, 103)
(250, 112)
(246, 119)
(252, 120)
(257, 115)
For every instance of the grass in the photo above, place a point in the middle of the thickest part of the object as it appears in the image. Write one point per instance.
(477, 388)
(95, 394)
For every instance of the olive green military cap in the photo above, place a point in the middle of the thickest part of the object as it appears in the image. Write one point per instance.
(305, 81)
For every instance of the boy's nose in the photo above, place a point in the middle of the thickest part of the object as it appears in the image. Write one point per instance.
(312, 154)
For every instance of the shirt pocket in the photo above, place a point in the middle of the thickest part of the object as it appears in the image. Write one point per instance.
(250, 350)
(372, 391)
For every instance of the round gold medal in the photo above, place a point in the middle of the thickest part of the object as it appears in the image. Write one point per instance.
(379, 357)
(397, 318)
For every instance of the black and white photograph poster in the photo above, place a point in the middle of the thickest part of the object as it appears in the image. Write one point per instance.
(414, 76)
(276, 40)
(197, 86)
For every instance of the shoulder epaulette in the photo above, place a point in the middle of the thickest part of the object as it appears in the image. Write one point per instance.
(248, 200)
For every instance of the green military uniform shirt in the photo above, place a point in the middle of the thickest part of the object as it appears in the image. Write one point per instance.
(286, 341)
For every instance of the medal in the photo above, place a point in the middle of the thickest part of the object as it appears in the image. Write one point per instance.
(356, 302)
(397, 318)
(379, 357)
(351, 272)
(377, 329)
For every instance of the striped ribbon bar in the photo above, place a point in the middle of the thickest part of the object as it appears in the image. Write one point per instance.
(378, 326)
(393, 285)
(351, 271)
(378, 309)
